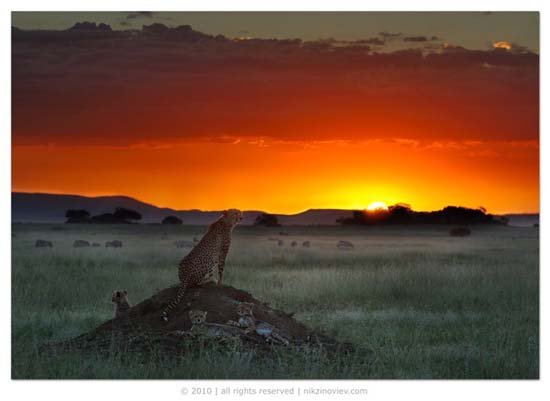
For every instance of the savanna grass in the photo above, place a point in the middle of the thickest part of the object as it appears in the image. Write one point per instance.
(419, 303)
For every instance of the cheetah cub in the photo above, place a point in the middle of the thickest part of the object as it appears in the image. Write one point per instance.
(246, 317)
(122, 305)
(200, 327)
(248, 322)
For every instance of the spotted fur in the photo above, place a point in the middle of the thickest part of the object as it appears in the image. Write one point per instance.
(246, 317)
(200, 327)
(200, 264)
(247, 321)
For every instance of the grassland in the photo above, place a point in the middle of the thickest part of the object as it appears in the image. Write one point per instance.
(428, 305)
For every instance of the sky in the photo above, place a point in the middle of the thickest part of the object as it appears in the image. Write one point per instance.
(429, 109)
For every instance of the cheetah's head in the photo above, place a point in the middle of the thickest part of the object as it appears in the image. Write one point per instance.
(232, 216)
(119, 296)
(197, 316)
(245, 308)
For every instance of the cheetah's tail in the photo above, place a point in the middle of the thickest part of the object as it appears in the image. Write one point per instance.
(175, 302)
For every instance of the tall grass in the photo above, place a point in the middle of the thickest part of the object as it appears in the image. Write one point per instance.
(425, 304)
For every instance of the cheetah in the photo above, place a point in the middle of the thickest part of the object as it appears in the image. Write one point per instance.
(122, 305)
(200, 327)
(246, 317)
(248, 322)
(210, 252)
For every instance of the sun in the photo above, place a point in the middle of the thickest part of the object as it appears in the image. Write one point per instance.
(376, 206)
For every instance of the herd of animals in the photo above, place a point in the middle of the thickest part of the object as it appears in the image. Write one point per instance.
(41, 243)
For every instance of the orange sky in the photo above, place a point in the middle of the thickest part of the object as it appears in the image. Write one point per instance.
(292, 177)
(274, 126)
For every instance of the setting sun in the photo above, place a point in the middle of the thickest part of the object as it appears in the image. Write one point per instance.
(377, 206)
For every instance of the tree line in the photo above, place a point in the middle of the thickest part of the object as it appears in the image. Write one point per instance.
(403, 214)
(121, 215)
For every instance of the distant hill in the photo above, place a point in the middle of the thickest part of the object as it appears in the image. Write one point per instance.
(523, 220)
(50, 208)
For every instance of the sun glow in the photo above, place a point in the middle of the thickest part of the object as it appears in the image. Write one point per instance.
(502, 44)
(375, 206)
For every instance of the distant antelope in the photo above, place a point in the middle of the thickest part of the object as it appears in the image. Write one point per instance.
(344, 245)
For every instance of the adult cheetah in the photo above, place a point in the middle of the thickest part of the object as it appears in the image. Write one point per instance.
(199, 265)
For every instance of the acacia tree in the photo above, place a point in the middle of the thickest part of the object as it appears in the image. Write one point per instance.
(172, 220)
(126, 214)
(266, 219)
(77, 215)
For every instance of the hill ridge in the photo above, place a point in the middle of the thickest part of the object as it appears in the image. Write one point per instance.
(41, 207)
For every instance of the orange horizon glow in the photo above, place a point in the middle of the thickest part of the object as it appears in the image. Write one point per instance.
(377, 206)
(291, 178)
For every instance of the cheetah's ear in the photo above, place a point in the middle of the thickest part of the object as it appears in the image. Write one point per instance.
(125, 292)
(224, 213)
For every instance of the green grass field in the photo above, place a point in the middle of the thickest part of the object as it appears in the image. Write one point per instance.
(428, 305)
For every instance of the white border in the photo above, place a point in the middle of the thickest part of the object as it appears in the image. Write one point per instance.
(165, 390)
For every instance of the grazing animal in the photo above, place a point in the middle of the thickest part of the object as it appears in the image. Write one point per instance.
(280, 242)
(283, 233)
(80, 243)
(293, 243)
(41, 243)
(210, 253)
(122, 305)
(459, 232)
(248, 322)
(96, 244)
(306, 244)
(113, 244)
(344, 245)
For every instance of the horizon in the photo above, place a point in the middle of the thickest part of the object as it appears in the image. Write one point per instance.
(411, 108)
(256, 209)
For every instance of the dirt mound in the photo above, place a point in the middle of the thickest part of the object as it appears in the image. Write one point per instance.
(142, 329)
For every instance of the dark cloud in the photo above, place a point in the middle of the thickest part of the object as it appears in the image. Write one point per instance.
(372, 41)
(390, 35)
(90, 27)
(177, 84)
(140, 14)
(415, 39)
